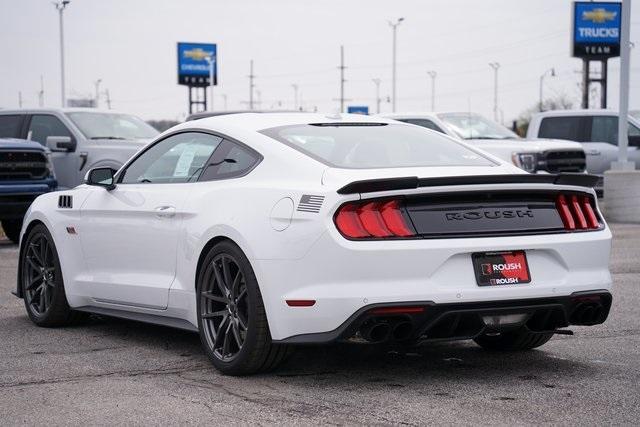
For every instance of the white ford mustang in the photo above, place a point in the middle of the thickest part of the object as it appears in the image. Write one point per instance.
(261, 231)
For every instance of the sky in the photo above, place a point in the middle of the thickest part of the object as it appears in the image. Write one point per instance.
(131, 46)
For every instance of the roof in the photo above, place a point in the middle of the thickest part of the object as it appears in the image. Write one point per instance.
(204, 114)
(578, 112)
(259, 121)
(58, 110)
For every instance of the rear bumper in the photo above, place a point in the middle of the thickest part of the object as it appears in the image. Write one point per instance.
(428, 321)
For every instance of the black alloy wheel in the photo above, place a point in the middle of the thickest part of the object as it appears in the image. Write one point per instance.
(224, 307)
(41, 280)
(231, 316)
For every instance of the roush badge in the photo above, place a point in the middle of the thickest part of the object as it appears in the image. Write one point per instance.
(501, 268)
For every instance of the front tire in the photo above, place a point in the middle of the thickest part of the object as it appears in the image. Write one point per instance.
(11, 228)
(518, 340)
(42, 282)
(231, 316)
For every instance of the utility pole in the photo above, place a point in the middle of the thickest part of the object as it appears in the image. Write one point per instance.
(552, 73)
(211, 62)
(108, 98)
(60, 6)
(433, 75)
(376, 81)
(224, 98)
(41, 93)
(97, 85)
(295, 96)
(394, 28)
(251, 85)
(342, 80)
(20, 99)
(623, 109)
(495, 66)
(258, 98)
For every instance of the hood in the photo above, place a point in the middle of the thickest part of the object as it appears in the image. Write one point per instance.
(334, 177)
(20, 144)
(525, 145)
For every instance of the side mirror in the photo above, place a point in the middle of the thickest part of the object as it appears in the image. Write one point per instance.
(61, 144)
(634, 141)
(101, 177)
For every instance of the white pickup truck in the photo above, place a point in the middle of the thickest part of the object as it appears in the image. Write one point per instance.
(596, 130)
(534, 156)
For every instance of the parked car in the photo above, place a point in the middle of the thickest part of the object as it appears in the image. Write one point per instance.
(596, 130)
(534, 156)
(635, 114)
(263, 231)
(25, 173)
(79, 138)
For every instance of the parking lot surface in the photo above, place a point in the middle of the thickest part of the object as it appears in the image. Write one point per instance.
(110, 371)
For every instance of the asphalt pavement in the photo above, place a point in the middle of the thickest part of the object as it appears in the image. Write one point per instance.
(117, 372)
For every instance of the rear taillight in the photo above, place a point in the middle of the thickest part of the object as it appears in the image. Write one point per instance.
(577, 212)
(373, 220)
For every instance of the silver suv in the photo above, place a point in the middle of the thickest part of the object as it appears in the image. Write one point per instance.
(79, 138)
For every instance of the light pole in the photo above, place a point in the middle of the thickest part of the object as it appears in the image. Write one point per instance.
(377, 83)
(552, 73)
(97, 85)
(211, 62)
(224, 97)
(60, 6)
(295, 96)
(394, 29)
(495, 66)
(433, 75)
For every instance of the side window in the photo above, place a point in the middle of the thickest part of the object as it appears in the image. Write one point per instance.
(10, 126)
(633, 131)
(560, 128)
(604, 129)
(45, 125)
(229, 161)
(425, 123)
(178, 158)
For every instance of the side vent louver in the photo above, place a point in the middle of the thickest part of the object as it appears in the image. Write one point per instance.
(65, 202)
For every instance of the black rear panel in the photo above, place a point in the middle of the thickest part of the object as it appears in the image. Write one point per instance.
(484, 214)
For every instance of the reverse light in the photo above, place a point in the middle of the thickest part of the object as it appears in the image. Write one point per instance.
(577, 212)
(373, 219)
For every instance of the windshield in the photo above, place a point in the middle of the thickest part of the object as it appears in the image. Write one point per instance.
(376, 145)
(112, 126)
(474, 126)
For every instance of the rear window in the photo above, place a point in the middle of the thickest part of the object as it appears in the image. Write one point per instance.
(10, 126)
(376, 145)
(560, 128)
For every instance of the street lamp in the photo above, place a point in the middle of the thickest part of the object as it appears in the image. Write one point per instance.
(97, 85)
(377, 83)
(60, 6)
(295, 96)
(394, 28)
(210, 62)
(552, 73)
(433, 75)
(495, 66)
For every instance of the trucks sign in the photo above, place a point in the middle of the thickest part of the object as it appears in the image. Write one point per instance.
(596, 29)
(193, 64)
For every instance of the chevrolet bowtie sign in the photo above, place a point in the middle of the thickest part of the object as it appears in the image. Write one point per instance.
(596, 29)
(193, 63)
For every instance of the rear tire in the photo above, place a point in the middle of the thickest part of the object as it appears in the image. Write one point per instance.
(231, 316)
(518, 340)
(42, 282)
(11, 228)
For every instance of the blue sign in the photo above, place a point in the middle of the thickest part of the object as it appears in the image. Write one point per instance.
(194, 62)
(358, 109)
(596, 29)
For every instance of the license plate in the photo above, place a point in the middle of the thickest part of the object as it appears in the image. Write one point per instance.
(501, 268)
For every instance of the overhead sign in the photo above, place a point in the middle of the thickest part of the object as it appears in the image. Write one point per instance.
(358, 109)
(596, 29)
(193, 64)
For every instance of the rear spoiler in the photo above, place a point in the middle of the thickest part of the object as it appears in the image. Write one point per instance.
(413, 182)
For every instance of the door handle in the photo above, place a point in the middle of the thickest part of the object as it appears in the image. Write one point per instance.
(593, 152)
(165, 211)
